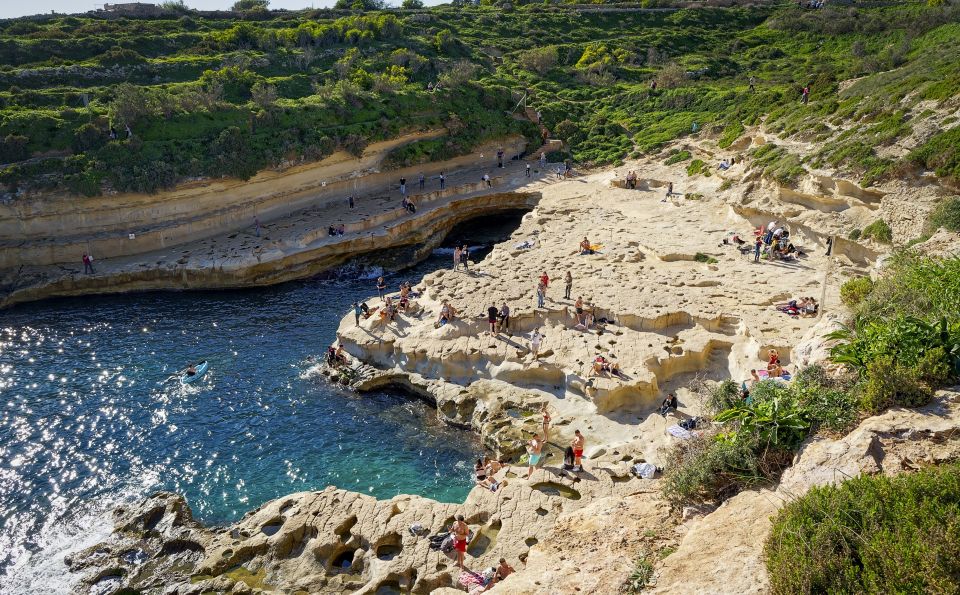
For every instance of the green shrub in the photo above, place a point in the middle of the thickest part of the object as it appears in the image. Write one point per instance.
(704, 468)
(879, 230)
(854, 234)
(723, 396)
(828, 400)
(704, 258)
(888, 384)
(13, 147)
(946, 215)
(677, 157)
(870, 534)
(855, 290)
(696, 166)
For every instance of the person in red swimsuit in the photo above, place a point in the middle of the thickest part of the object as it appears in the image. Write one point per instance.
(460, 532)
(577, 444)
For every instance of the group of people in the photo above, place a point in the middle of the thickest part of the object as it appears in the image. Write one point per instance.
(336, 230)
(336, 356)
(408, 204)
(461, 256)
(485, 471)
(447, 314)
(631, 180)
(774, 243)
(805, 307)
(460, 532)
(499, 320)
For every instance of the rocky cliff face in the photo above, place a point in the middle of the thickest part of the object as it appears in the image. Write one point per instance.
(674, 304)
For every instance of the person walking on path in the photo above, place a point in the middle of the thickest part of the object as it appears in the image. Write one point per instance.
(460, 532)
(577, 444)
(422, 181)
(567, 285)
(88, 264)
(403, 186)
(456, 257)
(443, 181)
(381, 287)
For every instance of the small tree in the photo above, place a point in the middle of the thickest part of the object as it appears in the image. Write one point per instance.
(539, 60)
(458, 73)
(130, 104)
(87, 138)
(14, 148)
(251, 5)
(263, 95)
(671, 75)
(412, 4)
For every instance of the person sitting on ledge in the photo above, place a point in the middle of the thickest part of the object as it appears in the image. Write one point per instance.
(585, 246)
(670, 402)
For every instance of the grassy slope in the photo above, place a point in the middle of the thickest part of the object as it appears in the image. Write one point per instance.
(596, 94)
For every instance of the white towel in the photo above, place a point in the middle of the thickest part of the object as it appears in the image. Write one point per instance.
(679, 432)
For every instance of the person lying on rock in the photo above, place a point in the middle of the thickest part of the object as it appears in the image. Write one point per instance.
(602, 364)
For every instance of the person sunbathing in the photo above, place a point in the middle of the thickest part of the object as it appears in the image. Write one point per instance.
(601, 364)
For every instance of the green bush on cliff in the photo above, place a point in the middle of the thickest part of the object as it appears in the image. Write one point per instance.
(855, 290)
(870, 534)
(879, 230)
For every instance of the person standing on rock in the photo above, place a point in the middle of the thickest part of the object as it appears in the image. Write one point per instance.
(577, 444)
(492, 314)
(758, 244)
(541, 294)
(535, 339)
(567, 285)
(256, 225)
(460, 532)
(546, 421)
(500, 157)
(88, 264)
(403, 186)
(545, 281)
(465, 258)
(543, 160)
(422, 181)
(381, 287)
(534, 448)
(456, 257)
(505, 318)
(443, 181)
(528, 170)
(356, 312)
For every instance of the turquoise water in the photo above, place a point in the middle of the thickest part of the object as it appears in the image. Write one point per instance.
(89, 417)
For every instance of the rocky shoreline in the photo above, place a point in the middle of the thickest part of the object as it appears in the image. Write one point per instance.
(676, 307)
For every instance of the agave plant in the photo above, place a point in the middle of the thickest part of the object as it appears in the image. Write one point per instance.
(776, 423)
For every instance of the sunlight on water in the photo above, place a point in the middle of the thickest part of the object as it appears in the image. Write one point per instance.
(93, 414)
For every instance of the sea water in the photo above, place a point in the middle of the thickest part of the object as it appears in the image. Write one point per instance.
(92, 415)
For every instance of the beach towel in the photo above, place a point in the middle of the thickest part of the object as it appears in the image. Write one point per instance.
(644, 470)
(763, 374)
(679, 432)
(596, 247)
(524, 245)
(470, 579)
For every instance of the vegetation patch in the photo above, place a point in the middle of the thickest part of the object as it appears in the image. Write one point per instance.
(870, 534)
(879, 230)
